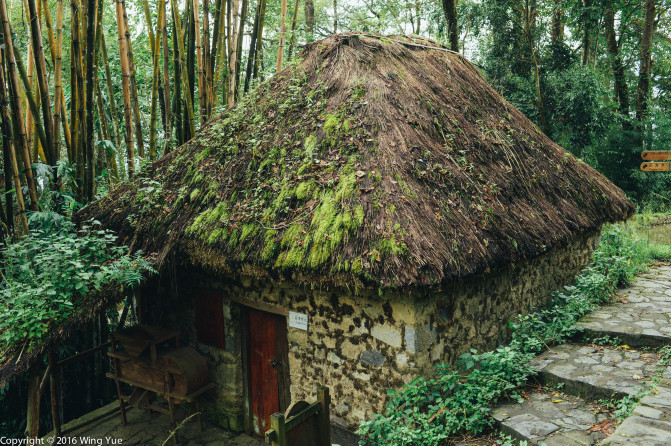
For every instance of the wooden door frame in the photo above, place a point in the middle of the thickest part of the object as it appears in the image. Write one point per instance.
(284, 380)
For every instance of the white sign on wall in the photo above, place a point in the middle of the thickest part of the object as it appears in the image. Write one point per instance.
(298, 320)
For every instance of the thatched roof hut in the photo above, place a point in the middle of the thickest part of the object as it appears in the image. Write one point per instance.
(372, 161)
(423, 209)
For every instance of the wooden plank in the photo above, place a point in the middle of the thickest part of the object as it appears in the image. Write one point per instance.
(135, 383)
(303, 415)
(82, 354)
(282, 353)
(658, 155)
(277, 423)
(246, 368)
(324, 400)
(106, 411)
(262, 306)
(656, 167)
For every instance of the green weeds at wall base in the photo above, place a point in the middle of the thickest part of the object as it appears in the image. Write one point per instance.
(427, 411)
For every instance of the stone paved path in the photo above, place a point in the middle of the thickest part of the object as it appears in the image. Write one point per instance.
(641, 319)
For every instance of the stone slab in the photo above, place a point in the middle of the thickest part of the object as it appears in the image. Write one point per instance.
(550, 418)
(641, 316)
(596, 372)
(639, 431)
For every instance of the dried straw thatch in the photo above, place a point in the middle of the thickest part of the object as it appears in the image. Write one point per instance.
(373, 161)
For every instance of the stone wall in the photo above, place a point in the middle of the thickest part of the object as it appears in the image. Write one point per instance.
(361, 344)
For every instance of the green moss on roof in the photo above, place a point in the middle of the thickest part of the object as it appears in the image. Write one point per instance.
(371, 161)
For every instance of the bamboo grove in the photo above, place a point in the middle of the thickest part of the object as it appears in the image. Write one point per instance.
(63, 105)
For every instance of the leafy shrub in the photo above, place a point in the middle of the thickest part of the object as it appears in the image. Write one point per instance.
(48, 273)
(427, 411)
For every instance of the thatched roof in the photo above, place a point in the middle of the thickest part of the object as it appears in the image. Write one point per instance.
(372, 161)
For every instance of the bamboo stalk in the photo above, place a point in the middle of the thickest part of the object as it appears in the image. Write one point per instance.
(57, 53)
(280, 47)
(7, 145)
(294, 21)
(74, 54)
(32, 102)
(218, 45)
(177, 95)
(91, 69)
(123, 56)
(241, 36)
(41, 68)
(207, 58)
(191, 70)
(215, 42)
(233, 54)
(110, 91)
(80, 105)
(17, 109)
(166, 79)
(147, 20)
(182, 63)
(202, 88)
(133, 87)
(154, 87)
(111, 158)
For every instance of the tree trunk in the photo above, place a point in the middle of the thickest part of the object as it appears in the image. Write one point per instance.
(645, 64)
(125, 76)
(588, 29)
(166, 78)
(91, 69)
(241, 37)
(557, 35)
(9, 155)
(620, 88)
(17, 110)
(207, 59)
(154, 85)
(259, 39)
(41, 68)
(252, 44)
(33, 106)
(335, 16)
(280, 46)
(232, 61)
(451, 22)
(182, 64)
(137, 120)
(202, 88)
(294, 21)
(177, 94)
(529, 25)
(110, 92)
(59, 100)
(309, 20)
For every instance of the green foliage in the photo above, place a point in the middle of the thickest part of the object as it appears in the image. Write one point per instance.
(47, 274)
(457, 400)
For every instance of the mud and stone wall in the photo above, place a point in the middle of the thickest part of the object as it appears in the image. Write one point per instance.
(362, 343)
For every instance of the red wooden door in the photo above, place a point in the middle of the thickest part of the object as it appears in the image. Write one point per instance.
(267, 335)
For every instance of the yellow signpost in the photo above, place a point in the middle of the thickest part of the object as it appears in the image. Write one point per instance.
(656, 155)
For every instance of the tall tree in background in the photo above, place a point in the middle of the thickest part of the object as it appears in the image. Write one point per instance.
(280, 47)
(450, 11)
(310, 20)
(620, 83)
(645, 64)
